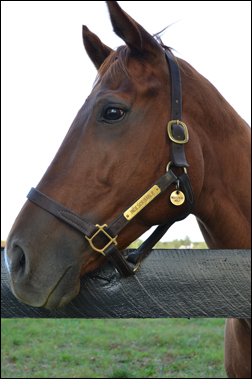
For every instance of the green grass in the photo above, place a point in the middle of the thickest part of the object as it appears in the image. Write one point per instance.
(123, 348)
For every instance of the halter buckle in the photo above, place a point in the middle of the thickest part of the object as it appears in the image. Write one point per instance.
(170, 132)
(111, 239)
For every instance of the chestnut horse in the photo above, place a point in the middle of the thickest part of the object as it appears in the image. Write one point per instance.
(115, 149)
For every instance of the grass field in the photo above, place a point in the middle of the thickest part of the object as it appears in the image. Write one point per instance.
(122, 348)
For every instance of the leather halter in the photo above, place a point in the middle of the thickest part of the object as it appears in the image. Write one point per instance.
(178, 134)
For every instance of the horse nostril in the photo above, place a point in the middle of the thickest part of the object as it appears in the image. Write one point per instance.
(18, 260)
(22, 260)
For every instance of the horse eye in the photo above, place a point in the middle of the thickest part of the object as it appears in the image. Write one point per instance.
(112, 114)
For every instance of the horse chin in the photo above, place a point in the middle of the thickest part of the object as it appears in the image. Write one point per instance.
(64, 290)
(59, 297)
(50, 296)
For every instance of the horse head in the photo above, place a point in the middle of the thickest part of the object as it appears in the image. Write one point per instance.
(116, 147)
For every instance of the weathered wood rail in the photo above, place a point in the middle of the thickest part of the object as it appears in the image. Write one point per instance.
(169, 283)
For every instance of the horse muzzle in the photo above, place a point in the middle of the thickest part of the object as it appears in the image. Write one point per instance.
(41, 273)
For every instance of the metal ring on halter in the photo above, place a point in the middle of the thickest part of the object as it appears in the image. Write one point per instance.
(177, 186)
(138, 264)
(168, 168)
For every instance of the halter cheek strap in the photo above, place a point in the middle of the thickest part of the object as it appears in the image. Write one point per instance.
(178, 134)
(177, 130)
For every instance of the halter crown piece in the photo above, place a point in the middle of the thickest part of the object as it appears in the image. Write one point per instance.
(178, 135)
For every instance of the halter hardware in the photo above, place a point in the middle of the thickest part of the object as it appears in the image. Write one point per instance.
(168, 167)
(142, 202)
(170, 132)
(101, 229)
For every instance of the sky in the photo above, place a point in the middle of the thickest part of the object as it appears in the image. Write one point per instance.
(47, 75)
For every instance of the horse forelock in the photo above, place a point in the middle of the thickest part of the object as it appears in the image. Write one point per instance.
(114, 64)
(117, 61)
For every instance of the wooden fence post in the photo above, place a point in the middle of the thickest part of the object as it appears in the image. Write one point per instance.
(169, 283)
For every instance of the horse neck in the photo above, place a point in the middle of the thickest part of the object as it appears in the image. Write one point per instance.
(223, 202)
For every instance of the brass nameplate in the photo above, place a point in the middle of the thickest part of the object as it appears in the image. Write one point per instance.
(142, 202)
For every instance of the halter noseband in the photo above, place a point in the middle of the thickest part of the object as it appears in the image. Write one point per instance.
(178, 134)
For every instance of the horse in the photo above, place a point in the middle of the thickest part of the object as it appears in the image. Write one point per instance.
(118, 145)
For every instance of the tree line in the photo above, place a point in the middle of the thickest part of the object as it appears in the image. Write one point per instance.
(175, 244)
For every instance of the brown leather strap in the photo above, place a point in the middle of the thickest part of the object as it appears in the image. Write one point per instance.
(178, 158)
(78, 222)
(120, 221)
(118, 260)
(148, 244)
(62, 212)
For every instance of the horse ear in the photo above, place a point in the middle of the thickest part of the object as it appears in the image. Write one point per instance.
(135, 36)
(95, 49)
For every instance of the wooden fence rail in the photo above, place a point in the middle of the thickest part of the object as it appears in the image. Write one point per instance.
(169, 283)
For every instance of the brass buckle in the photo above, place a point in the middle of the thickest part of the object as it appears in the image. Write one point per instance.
(101, 229)
(170, 131)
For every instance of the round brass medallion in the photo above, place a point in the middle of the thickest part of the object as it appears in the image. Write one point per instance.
(177, 198)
